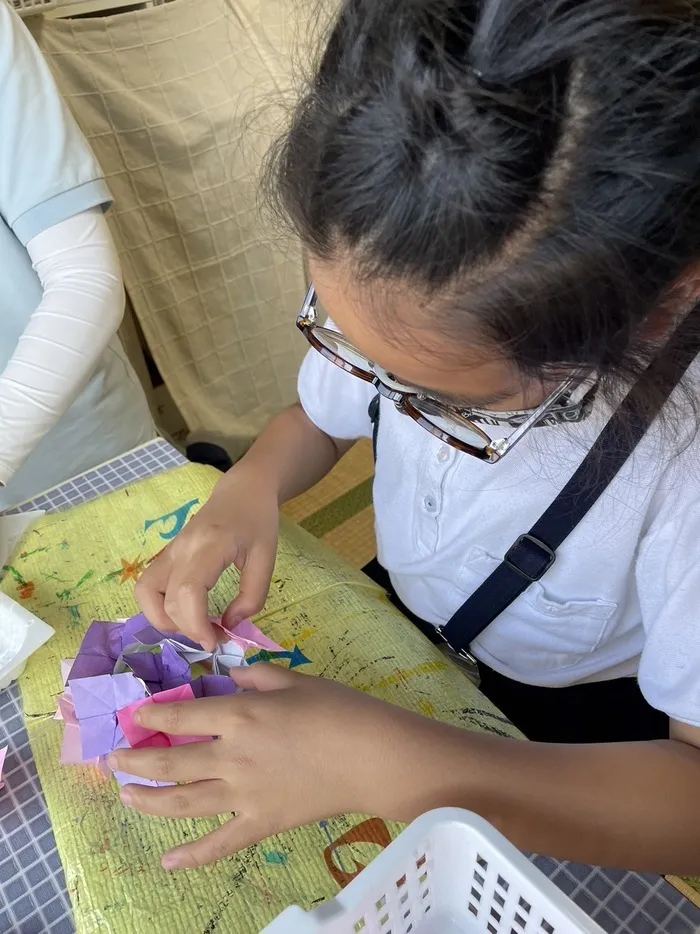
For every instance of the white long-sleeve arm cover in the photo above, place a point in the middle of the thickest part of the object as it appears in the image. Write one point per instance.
(79, 313)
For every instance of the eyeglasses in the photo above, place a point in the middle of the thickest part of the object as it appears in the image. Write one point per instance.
(454, 427)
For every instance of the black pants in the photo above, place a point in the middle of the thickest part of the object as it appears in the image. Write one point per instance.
(601, 712)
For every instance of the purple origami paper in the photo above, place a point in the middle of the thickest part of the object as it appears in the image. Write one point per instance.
(160, 670)
(101, 647)
(96, 701)
(139, 630)
(213, 686)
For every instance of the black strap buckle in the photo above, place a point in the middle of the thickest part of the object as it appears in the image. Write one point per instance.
(529, 557)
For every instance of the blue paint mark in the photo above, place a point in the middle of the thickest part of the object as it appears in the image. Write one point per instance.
(296, 657)
(178, 517)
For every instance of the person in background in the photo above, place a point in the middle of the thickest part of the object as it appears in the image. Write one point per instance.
(501, 205)
(69, 398)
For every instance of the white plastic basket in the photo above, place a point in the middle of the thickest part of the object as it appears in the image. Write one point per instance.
(32, 7)
(450, 872)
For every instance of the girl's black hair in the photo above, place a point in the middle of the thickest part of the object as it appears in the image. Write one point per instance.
(531, 166)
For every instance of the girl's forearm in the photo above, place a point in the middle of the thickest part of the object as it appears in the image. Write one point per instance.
(290, 456)
(632, 806)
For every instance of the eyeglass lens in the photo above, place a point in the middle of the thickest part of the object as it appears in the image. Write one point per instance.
(433, 412)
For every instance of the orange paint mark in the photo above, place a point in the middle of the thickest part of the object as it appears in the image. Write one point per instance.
(297, 640)
(131, 570)
(373, 831)
(425, 668)
(26, 590)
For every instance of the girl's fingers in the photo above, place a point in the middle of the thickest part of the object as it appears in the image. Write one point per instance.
(254, 586)
(236, 835)
(187, 605)
(198, 799)
(150, 593)
(185, 718)
(189, 763)
(265, 677)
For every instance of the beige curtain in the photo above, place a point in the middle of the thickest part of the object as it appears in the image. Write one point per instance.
(180, 102)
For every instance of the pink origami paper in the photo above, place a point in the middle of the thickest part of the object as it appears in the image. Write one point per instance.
(248, 636)
(140, 737)
(3, 753)
(71, 748)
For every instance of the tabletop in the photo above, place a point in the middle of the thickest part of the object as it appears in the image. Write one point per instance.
(33, 895)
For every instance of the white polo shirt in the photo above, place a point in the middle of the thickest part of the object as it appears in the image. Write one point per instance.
(623, 596)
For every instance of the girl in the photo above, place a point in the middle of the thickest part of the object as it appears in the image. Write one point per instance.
(500, 203)
(69, 399)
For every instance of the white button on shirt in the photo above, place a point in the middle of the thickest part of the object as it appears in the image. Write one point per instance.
(624, 594)
(430, 504)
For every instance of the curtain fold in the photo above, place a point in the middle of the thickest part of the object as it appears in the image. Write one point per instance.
(180, 102)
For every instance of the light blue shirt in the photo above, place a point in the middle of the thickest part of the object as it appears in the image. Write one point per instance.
(48, 174)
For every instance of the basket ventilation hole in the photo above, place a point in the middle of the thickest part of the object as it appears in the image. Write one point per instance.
(381, 903)
(422, 879)
(403, 899)
(476, 894)
(474, 910)
(384, 920)
(425, 894)
(491, 929)
(360, 925)
(503, 884)
(401, 882)
(478, 879)
(524, 905)
(420, 862)
(520, 921)
(482, 862)
(547, 927)
(499, 899)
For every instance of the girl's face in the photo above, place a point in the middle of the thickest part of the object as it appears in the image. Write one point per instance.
(405, 345)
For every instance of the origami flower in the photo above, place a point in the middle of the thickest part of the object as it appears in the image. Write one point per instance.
(122, 666)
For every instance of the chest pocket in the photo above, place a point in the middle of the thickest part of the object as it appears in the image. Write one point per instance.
(540, 629)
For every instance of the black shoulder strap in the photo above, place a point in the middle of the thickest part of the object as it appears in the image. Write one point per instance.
(533, 553)
(373, 413)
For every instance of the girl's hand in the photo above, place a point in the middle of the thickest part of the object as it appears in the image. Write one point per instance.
(238, 526)
(295, 750)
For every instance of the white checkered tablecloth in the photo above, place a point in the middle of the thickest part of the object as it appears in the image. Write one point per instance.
(33, 896)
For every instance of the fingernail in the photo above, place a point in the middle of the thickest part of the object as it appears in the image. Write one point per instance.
(171, 861)
(112, 762)
(137, 718)
(126, 797)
